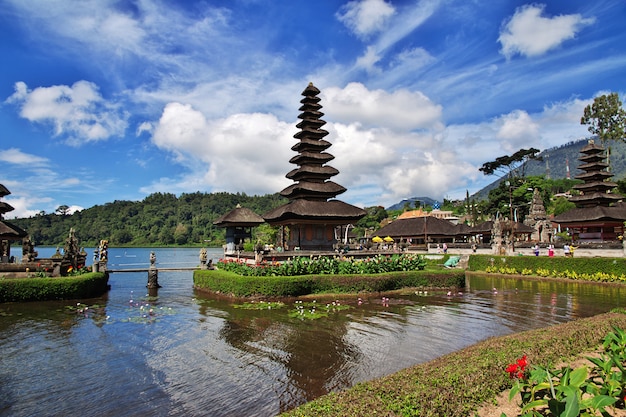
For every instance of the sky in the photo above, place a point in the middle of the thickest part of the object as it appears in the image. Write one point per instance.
(105, 100)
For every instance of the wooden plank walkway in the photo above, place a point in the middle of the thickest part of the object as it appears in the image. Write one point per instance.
(178, 268)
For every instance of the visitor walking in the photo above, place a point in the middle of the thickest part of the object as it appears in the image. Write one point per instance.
(566, 250)
(536, 249)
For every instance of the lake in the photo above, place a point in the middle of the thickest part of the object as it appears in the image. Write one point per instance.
(187, 353)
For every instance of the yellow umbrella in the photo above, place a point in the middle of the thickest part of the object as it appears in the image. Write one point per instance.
(388, 239)
(377, 239)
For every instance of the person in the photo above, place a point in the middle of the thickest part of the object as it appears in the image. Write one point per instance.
(445, 248)
(474, 247)
(550, 251)
(566, 250)
(536, 249)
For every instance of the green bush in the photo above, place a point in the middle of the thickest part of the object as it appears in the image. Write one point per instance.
(230, 283)
(302, 265)
(592, 269)
(87, 285)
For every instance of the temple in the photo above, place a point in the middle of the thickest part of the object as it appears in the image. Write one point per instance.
(238, 223)
(599, 214)
(8, 232)
(310, 218)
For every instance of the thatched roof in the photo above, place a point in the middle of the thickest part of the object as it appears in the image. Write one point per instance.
(333, 210)
(240, 216)
(4, 191)
(418, 226)
(10, 231)
(597, 213)
(5, 207)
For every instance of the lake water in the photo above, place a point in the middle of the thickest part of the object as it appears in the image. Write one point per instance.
(198, 355)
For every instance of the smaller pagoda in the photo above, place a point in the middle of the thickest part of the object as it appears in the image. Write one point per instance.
(238, 223)
(599, 214)
(8, 232)
(312, 214)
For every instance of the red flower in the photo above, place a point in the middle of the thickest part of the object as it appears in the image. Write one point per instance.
(516, 370)
(522, 362)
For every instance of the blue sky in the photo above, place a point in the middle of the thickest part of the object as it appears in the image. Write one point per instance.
(114, 100)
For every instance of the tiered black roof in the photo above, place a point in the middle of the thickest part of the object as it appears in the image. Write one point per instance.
(312, 175)
(595, 191)
(311, 197)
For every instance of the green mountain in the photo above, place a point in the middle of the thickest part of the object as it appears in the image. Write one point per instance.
(555, 161)
(159, 219)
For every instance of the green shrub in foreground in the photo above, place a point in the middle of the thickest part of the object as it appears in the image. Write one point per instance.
(87, 285)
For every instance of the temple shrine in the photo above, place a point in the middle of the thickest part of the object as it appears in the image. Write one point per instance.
(599, 214)
(8, 232)
(309, 220)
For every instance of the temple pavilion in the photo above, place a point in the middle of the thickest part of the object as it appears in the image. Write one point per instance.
(599, 214)
(8, 232)
(238, 223)
(312, 214)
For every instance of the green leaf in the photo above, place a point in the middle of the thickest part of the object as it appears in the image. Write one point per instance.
(572, 406)
(601, 401)
(534, 404)
(578, 376)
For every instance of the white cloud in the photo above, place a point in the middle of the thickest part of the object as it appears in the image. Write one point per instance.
(401, 24)
(16, 156)
(528, 33)
(402, 109)
(77, 112)
(517, 130)
(242, 153)
(365, 17)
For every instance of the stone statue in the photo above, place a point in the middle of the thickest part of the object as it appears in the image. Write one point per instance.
(28, 250)
(203, 258)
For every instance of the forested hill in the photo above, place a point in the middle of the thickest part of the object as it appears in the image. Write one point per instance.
(554, 162)
(160, 219)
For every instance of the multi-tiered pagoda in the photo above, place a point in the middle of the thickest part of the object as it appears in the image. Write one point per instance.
(599, 214)
(8, 232)
(312, 214)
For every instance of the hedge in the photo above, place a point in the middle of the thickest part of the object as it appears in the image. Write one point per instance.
(614, 266)
(229, 283)
(89, 285)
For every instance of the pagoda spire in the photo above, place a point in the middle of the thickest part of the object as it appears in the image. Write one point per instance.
(312, 175)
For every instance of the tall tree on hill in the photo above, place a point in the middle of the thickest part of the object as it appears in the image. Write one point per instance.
(510, 165)
(606, 119)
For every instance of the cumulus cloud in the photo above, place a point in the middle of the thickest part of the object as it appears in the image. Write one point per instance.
(528, 33)
(243, 152)
(402, 109)
(517, 130)
(77, 112)
(365, 17)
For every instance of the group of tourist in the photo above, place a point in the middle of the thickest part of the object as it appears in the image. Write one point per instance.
(568, 250)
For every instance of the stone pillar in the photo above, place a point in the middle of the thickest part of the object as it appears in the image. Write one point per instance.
(153, 274)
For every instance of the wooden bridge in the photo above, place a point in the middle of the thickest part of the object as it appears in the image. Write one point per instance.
(177, 268)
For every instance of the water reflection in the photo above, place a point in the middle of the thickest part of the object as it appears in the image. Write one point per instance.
(199, 355)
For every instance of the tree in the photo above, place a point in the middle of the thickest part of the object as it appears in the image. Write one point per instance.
(510, 164)
(63, 210)
(606, 118)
